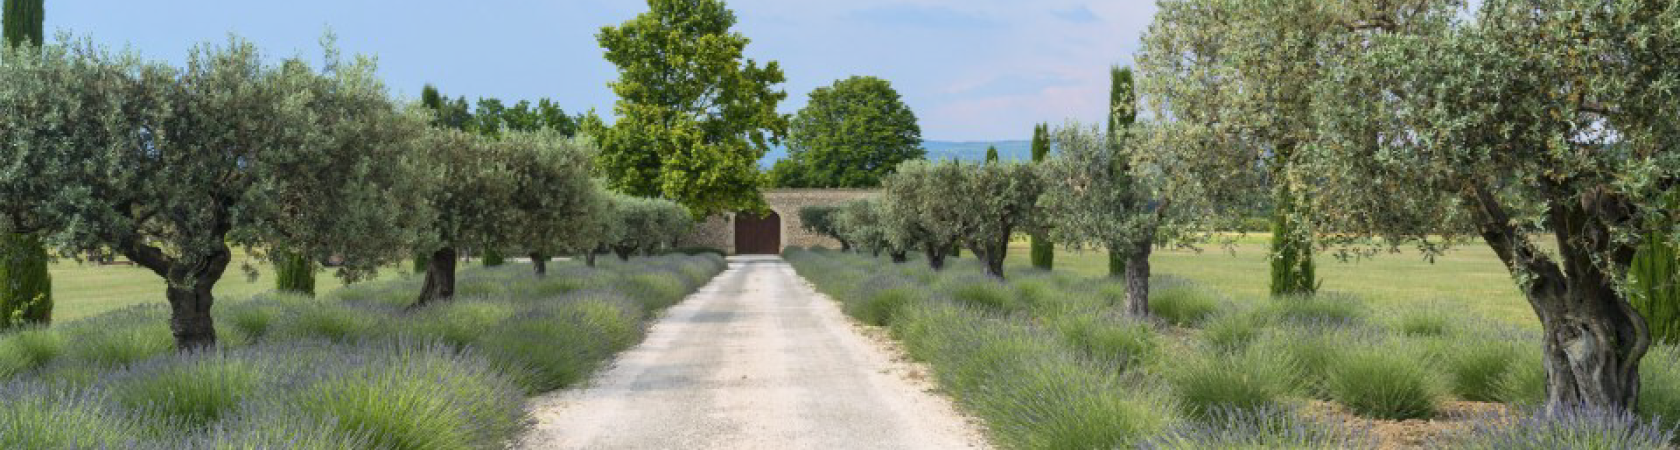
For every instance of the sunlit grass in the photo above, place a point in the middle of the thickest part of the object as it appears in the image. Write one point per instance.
(1469, 275)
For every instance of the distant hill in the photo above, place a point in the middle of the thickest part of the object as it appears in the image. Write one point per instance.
(941, 150)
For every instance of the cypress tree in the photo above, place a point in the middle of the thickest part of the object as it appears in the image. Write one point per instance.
(22, 21)
(1043, 252)
(294, 273)
(25, 283)
(991, 154)
(1120, 117)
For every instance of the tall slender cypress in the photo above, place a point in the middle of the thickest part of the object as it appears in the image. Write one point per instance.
(295, 273)
(1121, 115)
(1043, 252)
(22, 21)
(25, 283)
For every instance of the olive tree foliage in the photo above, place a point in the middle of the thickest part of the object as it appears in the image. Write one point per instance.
(921, 208)
(647, 225)
(694, 115)
(170, 166)
(849, 135)
(823, 220)
(1100, 195)
(1533, 118)
(554, 196)
(475, 185)
(1241, 71)
(997, 199)
(601, 225)
(860, 222)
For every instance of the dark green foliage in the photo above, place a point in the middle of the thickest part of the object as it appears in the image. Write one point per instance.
(1043, 251)
(849, 135)
(22, 21)
(1293, 272)
(1654, 279)
(691, 132)
(25, 284)
(451, 114)
(294, 273)
(493, 258)
(991, 154)
(1121, 115)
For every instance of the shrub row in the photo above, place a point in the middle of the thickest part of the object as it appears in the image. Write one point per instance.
(1031, 351)
(351, 370)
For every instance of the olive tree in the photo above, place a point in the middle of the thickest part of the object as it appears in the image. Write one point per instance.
(602, 225)
(646, 224)
(823, 220)
(921, 208)
(474, 184)
(1241, 70)
(859, 221)
(997, 199)
(1534, 118)
(555, 194)
(170, 166)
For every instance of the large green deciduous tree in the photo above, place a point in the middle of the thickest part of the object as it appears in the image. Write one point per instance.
(170, 166)
(694, 115)
(849, 135)
(1242, 70)
(25, 283)
(1534, 117)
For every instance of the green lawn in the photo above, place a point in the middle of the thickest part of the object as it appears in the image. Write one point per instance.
(1470, 276)
(81, 290)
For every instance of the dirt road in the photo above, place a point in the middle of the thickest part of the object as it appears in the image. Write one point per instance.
(754, 360)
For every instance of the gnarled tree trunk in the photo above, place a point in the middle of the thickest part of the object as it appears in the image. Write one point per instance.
(624, 253)
(1137, 276)
(589, 257)
(440, 277)
(539, 262)
(188, 287)
(936, 256)
(991, 256)
(1592, 339)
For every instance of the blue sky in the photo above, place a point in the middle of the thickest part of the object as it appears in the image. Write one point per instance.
(971, 69)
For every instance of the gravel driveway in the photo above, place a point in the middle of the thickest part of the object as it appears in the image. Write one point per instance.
(754, 360)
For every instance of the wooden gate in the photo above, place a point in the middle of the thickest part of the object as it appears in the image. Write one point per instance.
(758, 235)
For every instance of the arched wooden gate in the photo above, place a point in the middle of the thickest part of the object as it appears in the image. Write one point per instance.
(758, 235)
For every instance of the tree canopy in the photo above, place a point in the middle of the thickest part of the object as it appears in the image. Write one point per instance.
(694, 115)
(850, 135)
(170, 166)
(1553, 116)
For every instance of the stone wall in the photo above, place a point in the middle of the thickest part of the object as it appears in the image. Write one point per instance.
(719, 231)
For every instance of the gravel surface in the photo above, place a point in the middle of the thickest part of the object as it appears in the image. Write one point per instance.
(754, 360)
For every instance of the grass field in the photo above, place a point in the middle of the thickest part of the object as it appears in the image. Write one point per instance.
(1470, 276)
(82, 290)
